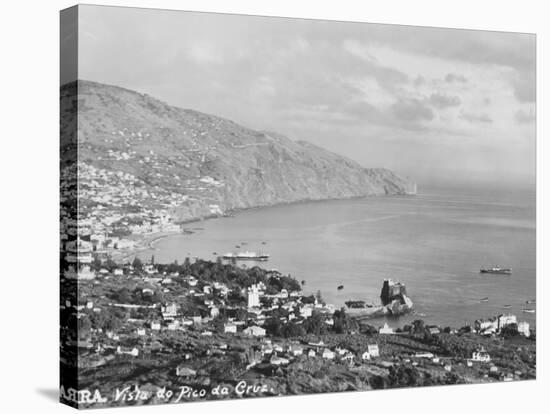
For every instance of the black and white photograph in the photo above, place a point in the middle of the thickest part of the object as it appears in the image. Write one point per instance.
(260, 206)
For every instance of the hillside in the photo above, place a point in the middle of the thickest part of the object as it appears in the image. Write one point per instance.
(209, 164)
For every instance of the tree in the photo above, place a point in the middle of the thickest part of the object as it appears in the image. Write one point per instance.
(137, 263)
(123, 295)
(418, 326)
(316, 324)
(510, 330)
(319, 297)
(343, 323)
(96, 263)
(292, 330)
(153, 259)
(273, 327)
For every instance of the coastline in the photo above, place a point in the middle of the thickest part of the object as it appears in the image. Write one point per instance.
(148, 241)
(143, 244)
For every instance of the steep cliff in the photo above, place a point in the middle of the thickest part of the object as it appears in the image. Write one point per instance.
(217, 164)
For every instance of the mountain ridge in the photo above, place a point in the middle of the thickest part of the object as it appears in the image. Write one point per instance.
(215, 164)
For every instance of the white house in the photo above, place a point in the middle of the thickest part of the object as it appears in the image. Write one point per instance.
(348, 357)
(481, 356)
(306, 311)
(386, 329)
(254, 296)
(183, 371)
(297, 351)
(172, 326)
(214, 311)
(373, 350)
(523, 328)
(121, 350)
(328, 354)
(505, 320)
(365, 356)
(428, 355)
(276, 360)
(486, 326)
(191, 280)
(254, 331)
(230, 328)
(169, 311)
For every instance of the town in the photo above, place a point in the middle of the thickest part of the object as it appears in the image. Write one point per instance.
(205, 324)
(209, 323)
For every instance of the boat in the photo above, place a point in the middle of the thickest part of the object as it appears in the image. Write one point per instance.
(340, 287)
(529, 310)
(507, 306)
(485, 299)
(496, 270)
(247, 256)
(530, 302)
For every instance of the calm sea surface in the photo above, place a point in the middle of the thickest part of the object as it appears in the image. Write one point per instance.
(434, 242)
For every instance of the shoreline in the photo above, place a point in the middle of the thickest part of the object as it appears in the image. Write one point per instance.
(148, 241)
(143, 244)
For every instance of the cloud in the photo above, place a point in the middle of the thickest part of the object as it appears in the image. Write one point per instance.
(318, 80)
(443, 101)
(452, 77)
(419, 81)
(386, 76)
(204, 54)
(525, 87)
(412, 110)
(476, 118)
(523, 117)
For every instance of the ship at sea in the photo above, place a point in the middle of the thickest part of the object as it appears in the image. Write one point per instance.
(247, 256)
(496, 270)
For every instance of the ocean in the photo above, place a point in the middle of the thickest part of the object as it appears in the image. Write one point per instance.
(434, 242)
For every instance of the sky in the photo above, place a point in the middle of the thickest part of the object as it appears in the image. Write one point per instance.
(429, 103)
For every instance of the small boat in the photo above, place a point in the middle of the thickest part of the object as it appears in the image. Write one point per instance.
(264, 242)
(529, 310)
(507, 306)
(340, 287)
(485, 299)
(237, 246)
(496, 270)
(530, 302)
(214, 253)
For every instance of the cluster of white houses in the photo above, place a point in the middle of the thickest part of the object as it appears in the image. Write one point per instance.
(123, 205)
(496, 324)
